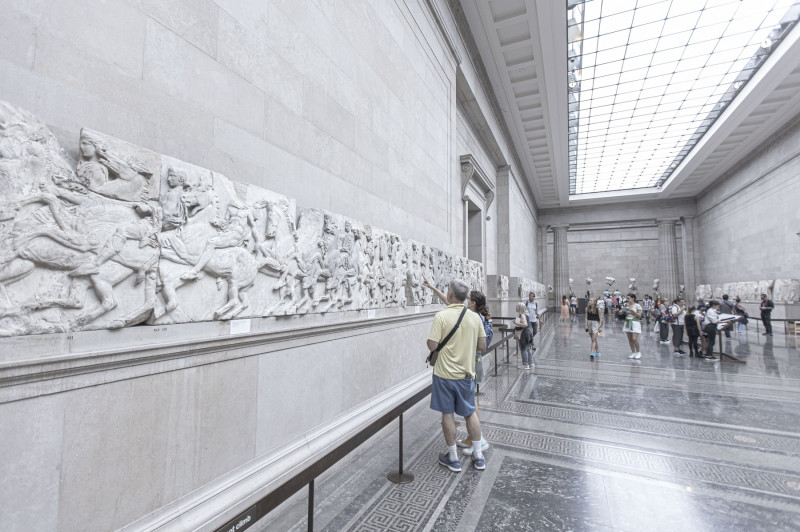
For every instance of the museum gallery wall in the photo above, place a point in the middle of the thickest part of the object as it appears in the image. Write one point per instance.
(125, 236)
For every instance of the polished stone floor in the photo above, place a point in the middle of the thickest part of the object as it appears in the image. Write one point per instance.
(663, 443)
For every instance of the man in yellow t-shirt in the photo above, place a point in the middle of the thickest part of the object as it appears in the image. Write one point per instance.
(453, 389)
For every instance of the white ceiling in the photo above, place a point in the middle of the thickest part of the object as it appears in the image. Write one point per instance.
(523, 46)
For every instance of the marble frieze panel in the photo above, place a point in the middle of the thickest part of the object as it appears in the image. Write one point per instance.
(125, 236)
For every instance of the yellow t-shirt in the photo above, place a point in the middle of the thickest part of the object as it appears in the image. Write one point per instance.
(457, 357)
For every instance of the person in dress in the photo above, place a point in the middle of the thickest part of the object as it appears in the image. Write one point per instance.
(564, 308)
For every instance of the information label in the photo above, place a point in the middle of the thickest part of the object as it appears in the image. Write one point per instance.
(417, 309)
(370, 314)
(240, 326)
(244, 520)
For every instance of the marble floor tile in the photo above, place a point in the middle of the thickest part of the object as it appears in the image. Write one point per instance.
(663, 443)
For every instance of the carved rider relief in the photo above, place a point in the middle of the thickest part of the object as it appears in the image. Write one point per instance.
(120, 236)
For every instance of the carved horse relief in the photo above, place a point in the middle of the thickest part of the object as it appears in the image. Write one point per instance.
(131, 236)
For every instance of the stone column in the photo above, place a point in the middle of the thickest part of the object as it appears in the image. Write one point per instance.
(668, 258)
(689, 259)
(560, 263)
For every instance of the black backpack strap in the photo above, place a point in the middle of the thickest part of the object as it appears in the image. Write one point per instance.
(452, 331)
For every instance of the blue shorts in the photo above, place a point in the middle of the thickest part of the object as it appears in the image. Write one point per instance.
(449, 396)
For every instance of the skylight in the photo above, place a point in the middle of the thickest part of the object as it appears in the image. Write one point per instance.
(647, 78)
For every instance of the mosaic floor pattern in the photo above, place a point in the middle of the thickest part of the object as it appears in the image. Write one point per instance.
(662, 443)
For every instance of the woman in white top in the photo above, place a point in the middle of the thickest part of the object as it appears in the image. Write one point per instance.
(678, 311)
(633, 324)
(710, 328)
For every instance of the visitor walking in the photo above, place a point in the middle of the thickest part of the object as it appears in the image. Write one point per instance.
(564, 308)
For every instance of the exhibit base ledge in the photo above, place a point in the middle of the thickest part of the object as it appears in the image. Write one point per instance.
(208, 508)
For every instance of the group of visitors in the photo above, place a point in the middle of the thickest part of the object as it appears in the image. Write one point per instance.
(698, 323)
(461, 333)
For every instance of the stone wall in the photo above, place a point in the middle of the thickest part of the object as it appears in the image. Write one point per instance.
(295, 97)
(748, 221)
(339, 107)
(621, 253)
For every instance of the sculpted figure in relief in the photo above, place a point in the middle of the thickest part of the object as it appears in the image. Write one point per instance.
(765, 287)
(703, 291)
(85, 227)
(503, 292)
(787, 290)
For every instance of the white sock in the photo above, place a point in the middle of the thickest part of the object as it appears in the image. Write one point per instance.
(476, 451)
(476, 448)
(453, 453)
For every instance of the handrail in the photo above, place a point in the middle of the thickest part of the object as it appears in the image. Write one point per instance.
(306, 477)
(308, 474)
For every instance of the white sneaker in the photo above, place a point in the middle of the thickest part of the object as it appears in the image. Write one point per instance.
(632, 355)
(469, 450)
(638, 356)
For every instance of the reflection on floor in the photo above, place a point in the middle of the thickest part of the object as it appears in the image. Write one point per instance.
(661, 443)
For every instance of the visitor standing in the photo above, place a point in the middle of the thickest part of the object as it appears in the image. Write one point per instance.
(453, 386)
(533, 316)
(663, 325)
(593, 324)
(633, 324)
(766, 313)
(693, 331)
(726, 307)
(524, 335)
(678, 312)
(647, 308)
(740, 311)
(710, 328)
(564, 308)
(573, 305)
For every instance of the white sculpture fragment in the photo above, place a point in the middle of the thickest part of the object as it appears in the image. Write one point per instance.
(503, 288)
(787, 290)
(703, 291)
(125, 236)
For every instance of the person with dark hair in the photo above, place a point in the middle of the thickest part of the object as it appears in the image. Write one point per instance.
(663, 327)
(633, 324)
(524, 334)
(726, 307)
(594, 324)
(678, 312)
(740, 311)
(710, 328)
(564, 308)
(693, 331)
(453, 387)
(647, 308)
(766, 313)
(533, 315)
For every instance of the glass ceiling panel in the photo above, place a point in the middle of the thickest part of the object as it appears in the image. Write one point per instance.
(647, 78)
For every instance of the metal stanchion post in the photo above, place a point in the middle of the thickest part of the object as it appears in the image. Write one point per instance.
(399, 477)
(311, 506)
